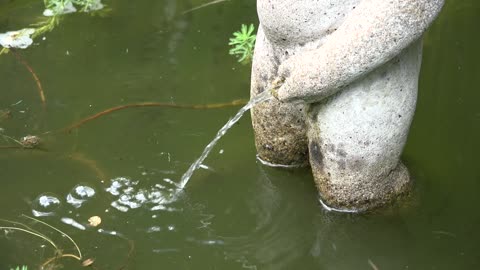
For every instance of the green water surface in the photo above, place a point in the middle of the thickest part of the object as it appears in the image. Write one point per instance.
(235, 214)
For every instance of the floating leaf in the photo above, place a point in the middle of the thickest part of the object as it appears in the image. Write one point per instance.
(94, 221)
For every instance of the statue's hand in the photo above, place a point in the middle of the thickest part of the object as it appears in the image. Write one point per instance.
(298, 77)
(370, 36)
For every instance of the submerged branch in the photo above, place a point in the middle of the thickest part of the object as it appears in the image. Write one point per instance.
(47, 262)
(203, 5)
(90, 163)
(62, 233)
(5, 114)
(154, 104)
(34, 75)
(39, 235)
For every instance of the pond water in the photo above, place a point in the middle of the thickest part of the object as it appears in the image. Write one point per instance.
(235, 213)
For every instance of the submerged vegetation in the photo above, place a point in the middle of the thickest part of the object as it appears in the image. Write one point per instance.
(243, 43)
(23, 267)
(23, 38)
(58, 253)
(54, 9)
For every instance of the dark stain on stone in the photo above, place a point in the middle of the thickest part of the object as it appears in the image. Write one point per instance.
(276, 61)
(264, 78)
(316, 156)
(286, 73)
(341, 152)
(342, 164)
(330, 147)
(358, 164)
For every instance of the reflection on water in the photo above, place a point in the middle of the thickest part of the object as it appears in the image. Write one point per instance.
(73, 223)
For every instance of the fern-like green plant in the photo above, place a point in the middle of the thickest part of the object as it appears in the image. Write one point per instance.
(23, 267)
(243, 42)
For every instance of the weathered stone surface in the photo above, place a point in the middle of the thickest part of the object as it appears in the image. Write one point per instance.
(356, 136)
(350, 71)
(280, 128)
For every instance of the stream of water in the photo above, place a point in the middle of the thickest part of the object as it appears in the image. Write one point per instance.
(195, 165)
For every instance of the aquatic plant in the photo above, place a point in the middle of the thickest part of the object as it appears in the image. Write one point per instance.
(23, 267)
(58, 7)
(23, 38)
(243, 42)
(54, 9)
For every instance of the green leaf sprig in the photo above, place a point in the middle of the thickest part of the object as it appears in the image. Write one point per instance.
(243, 43)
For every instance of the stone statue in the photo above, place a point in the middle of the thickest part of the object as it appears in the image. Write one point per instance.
(348, 73)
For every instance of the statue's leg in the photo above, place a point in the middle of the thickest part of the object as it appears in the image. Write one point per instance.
(280, 129)
(357, 136)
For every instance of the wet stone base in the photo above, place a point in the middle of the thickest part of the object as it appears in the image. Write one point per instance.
(363, 196)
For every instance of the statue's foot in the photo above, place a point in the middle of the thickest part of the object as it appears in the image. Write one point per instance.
(345, 195)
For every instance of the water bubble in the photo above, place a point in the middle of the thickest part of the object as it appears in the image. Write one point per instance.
(79, 194)
(45, 205)
(84, 191)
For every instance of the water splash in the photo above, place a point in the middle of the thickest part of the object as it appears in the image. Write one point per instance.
(130, 196)
(266, 95)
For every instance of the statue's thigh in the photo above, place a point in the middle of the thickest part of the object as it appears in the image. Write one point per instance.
(280, 129)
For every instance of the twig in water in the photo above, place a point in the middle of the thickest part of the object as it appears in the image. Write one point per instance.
(203, 5)
(47, 262)
(32, 233)
(63, 234)
(444, 233)
(374, 267)
(154, 104)
(21, 224)
(129, 255)
(90, 163)
(34, 75)
(8, 138)
(5, 114)
(11, 147)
